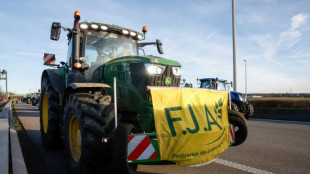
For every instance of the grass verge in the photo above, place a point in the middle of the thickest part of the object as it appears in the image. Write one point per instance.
(281, 102)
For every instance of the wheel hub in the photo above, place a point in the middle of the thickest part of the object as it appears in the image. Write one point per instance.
(45, 112)
(75, 139)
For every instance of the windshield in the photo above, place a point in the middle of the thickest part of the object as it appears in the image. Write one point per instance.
(221, 86)
(208, 84)
(211, 84)
(101, 47)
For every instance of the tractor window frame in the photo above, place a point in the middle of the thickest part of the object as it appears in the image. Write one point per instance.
(69, 53)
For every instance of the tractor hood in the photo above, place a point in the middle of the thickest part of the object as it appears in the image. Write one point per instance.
(145, 59)
(236, 93)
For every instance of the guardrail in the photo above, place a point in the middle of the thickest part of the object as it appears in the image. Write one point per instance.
(8, 137)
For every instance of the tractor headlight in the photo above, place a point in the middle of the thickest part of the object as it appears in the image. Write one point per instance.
(133, 33)
(240, 97)
(94, 26)
(176, 71)
(154, 68)
(84, 26)
(125, 32)
(104, 28)
(139, 36)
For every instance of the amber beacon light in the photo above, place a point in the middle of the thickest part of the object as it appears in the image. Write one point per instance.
(76, 13)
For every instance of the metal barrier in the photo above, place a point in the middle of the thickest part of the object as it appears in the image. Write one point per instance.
(8, 134)
(4, 141)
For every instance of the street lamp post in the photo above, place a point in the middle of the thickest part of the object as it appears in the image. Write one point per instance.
(246, 95)
(6, 82)
(234, 47)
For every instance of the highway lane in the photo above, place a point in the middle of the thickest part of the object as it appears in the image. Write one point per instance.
(271, 147)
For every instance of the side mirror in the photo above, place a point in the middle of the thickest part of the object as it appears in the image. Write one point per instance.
(55, 31)
(159, 46)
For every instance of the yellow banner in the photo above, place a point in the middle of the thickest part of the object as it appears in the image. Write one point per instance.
(191, 124)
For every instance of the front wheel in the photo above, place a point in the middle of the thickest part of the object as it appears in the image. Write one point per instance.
(250, 111)
(234, 106)
(240, 126)
(84, 128)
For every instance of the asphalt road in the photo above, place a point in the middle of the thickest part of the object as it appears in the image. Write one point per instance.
(271, 147)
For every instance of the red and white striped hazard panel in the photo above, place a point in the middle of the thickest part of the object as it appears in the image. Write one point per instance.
(140, 148)
(232, 134)
(49, 58)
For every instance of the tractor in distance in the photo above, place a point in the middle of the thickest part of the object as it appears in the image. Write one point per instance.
(238, 102)
(35, 98)
(76, 105)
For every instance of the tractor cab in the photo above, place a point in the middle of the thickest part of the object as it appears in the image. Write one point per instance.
(213, 83)
(100, 46)
(93, 45)
(238, 102)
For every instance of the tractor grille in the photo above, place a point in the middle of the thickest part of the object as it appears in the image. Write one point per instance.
(141, 79)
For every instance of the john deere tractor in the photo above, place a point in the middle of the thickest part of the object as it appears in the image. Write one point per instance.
(238, 102)
(77, 106)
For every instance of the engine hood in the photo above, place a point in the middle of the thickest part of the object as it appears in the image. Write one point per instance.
(145, 59)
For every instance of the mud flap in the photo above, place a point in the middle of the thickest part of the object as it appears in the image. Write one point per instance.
(120, 149)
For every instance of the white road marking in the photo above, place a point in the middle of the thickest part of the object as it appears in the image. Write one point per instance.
(241, 167)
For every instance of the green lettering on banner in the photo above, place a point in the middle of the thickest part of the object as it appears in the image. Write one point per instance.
(208, 113)
(192, 131)
(171, 120)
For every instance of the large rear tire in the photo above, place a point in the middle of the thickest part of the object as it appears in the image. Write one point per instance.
(86, 123)
(250, 111)
(49, 116)
(240, 126)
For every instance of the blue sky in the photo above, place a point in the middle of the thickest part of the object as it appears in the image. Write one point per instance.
(272, 35)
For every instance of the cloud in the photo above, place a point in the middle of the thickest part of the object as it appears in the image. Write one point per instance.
(288, 39)
(252, 18)
(268, 46)
(272, 46)
(28, 54)
(291, 37)
(298, 20)
(211, 35)
(207, 8)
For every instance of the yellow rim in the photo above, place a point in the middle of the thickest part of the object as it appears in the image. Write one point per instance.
(45, 112)
(75, 139)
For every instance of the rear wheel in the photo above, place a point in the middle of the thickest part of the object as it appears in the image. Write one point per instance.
(49, 116)
(86, 124)
(250, 111)
(240, 126)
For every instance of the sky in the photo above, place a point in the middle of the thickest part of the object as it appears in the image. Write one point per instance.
(273, 36)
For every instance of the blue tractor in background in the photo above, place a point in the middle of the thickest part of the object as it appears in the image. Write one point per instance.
(238, 102)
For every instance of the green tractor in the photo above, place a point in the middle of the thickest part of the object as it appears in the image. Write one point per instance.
(35, 98)
(77, 105)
